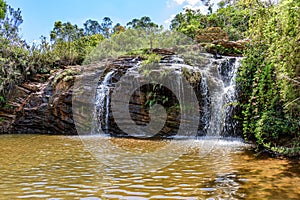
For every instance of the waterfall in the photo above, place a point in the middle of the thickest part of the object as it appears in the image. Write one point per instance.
(217, 90)
(219, 86)
(102, 100)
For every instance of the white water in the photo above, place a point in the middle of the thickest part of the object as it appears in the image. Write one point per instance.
(102, 101)
(219, 85)
(218, 88)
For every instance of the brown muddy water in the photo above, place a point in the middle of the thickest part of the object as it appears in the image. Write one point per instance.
(64, 167)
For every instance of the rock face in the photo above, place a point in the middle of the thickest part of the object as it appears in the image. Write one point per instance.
(146, 96)
(213, 83)
(47, 104)
(42, 105)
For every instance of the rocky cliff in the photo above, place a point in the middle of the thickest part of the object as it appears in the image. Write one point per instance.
(43, 104)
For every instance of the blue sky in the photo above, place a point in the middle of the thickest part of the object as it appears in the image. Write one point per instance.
(40, 15)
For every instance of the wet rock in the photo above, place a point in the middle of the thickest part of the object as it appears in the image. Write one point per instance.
(217, 56)
(43, 105)
(142, 98)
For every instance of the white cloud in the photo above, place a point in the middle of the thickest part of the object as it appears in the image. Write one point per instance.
(196, 4)
(180, 2)
(193, 2)
(167, 22)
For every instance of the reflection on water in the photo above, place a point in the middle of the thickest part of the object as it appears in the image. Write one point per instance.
(59, 167)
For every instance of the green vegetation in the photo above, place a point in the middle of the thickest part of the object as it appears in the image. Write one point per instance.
(269, 78)
(159, 94)
(2, 9)
(66, 76)
(151, 58)
(219, 49)
(233, 18)
(191, 77)
(15, 61)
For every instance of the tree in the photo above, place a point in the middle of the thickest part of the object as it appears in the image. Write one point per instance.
(269, 77)
(232, 17)
(66, 32)
(85, 45)
(188, 22)
(221, 4)
(143, 23)
(92, 27)
(2, 9)
(106, 26)
(10, 24)
(149, 28)
(64, 36)
(14, 54)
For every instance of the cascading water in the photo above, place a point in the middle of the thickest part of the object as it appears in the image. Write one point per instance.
(217, 90)
(219, 86)
(102, 101)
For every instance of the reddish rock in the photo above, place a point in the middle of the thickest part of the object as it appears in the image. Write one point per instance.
(240, 44)
(39, 106)
(43, 105)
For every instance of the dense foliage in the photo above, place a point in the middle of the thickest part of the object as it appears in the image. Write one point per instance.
(270, 78)
(233, 18)
(14, 57)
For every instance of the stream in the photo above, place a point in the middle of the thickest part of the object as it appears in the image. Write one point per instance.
(61, 167)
